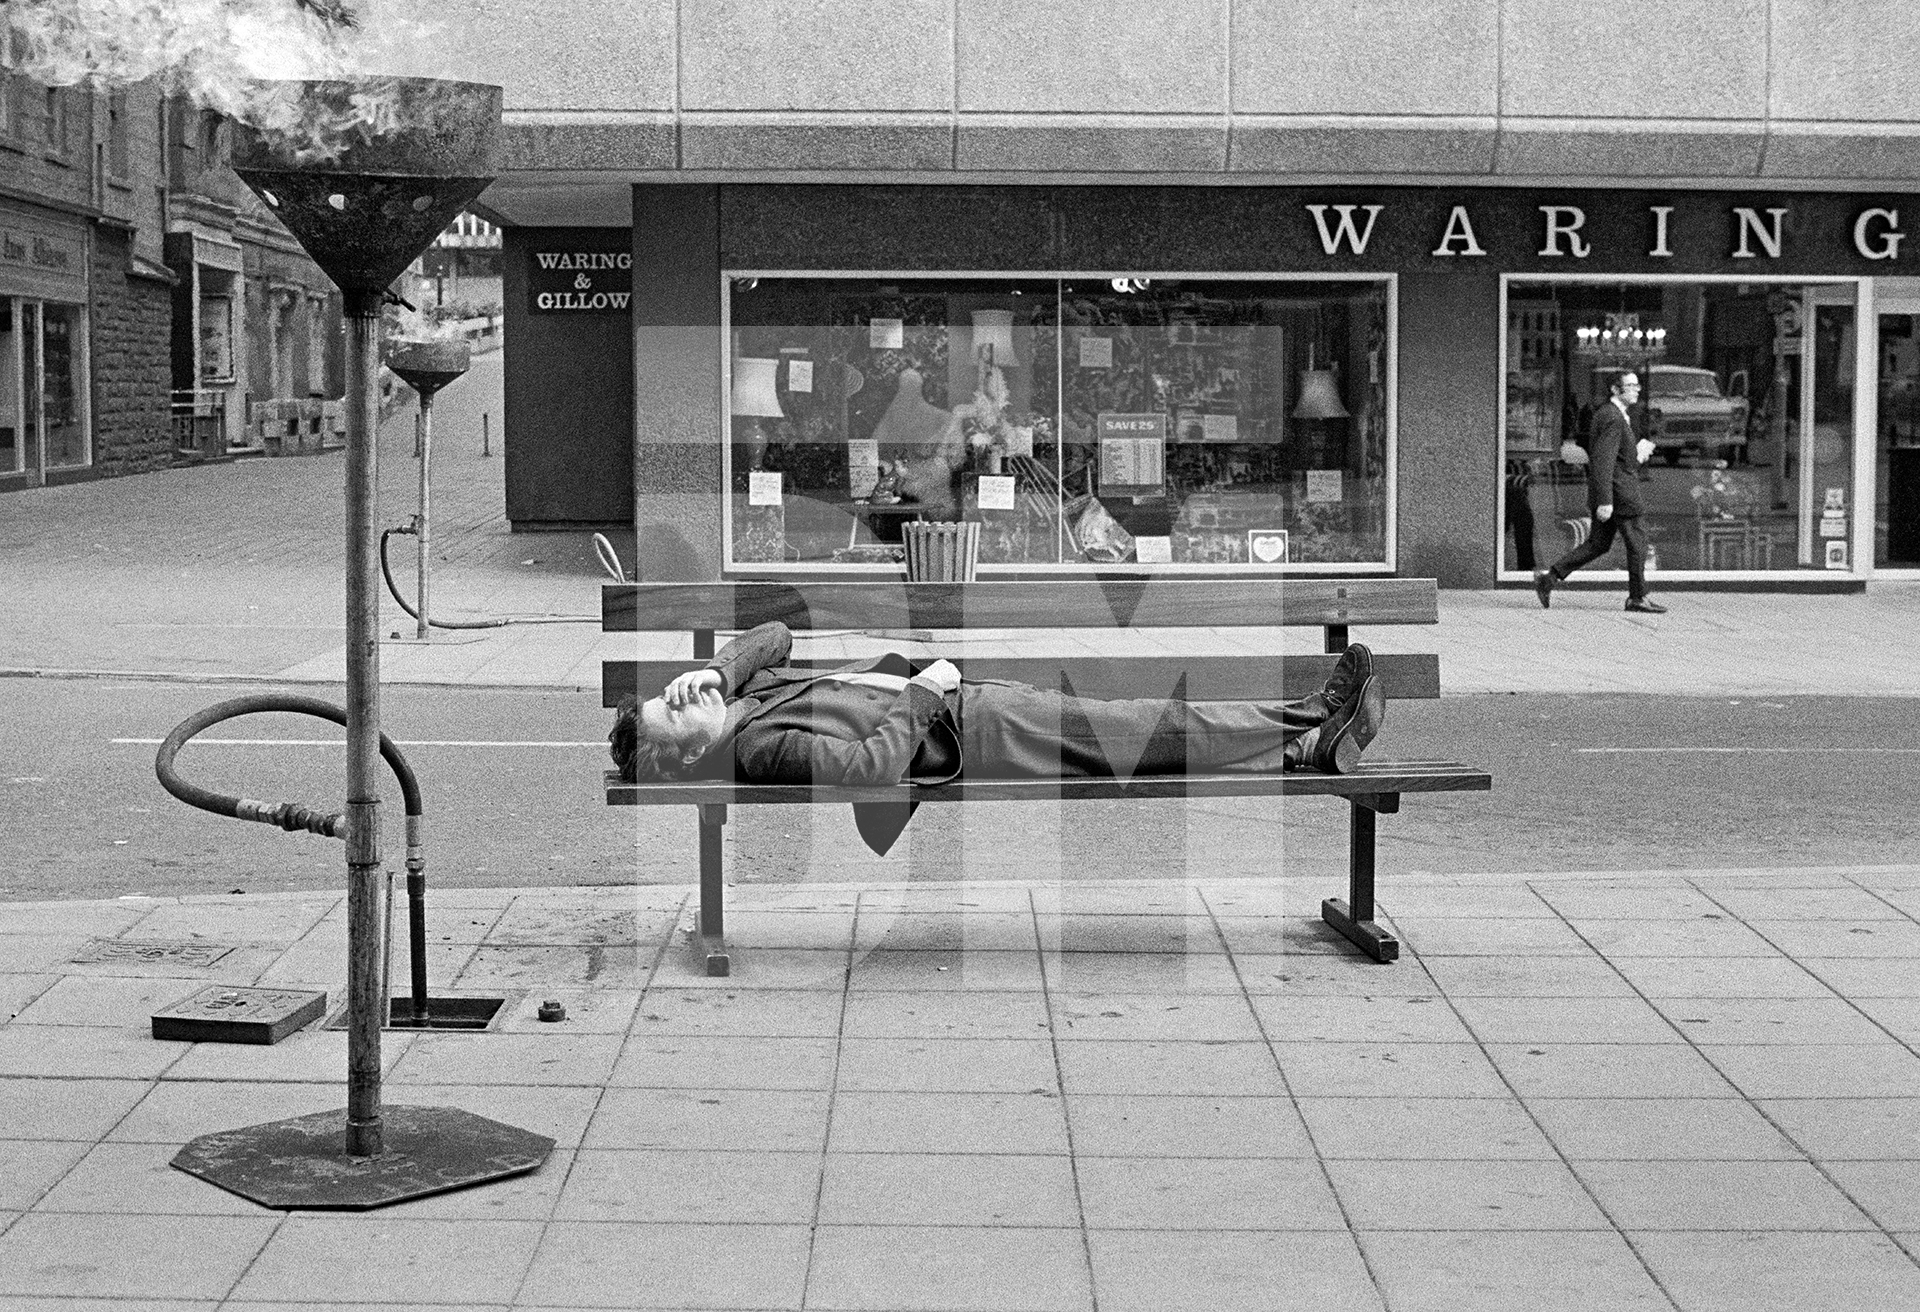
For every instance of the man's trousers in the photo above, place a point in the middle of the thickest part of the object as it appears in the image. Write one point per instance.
(1012, 731)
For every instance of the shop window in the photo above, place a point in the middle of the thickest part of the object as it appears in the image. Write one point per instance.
(216, 337)
(63, 385)
(1747, 394)
(13, 447)
(1207, 423)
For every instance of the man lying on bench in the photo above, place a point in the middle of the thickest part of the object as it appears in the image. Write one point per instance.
(745, 715)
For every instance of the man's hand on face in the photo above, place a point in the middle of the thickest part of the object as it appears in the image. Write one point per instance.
(942, 675)
(1603, 513)
(685, 689)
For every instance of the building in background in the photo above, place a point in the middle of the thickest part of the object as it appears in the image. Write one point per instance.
(1233, 286)
(84, 292)
(257, 344)
(151, 311)
(459, 275)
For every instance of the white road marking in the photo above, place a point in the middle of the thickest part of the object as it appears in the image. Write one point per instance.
(1872, 751)
(341, 742)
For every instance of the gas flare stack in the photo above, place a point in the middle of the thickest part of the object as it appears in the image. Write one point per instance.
(365, 173)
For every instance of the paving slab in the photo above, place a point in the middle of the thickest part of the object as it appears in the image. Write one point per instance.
(949, 1126)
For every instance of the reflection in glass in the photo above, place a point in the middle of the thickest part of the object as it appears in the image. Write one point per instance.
(12, 448)
(1222, 422)
(62, 403)
(1750, 470)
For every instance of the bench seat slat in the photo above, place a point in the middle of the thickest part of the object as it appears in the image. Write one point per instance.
(1167, 601)
(1372, 777)
(1222, 678)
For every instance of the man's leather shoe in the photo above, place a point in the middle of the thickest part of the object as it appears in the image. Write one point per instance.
(1335, 746)
(1645, 606)
(1543, 587)
(1354, 669)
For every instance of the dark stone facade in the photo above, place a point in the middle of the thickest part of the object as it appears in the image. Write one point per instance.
(130, 327)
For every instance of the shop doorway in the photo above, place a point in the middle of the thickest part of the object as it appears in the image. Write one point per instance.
(1896, 528)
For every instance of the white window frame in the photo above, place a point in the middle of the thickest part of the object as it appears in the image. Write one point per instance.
(1066, 569)
(1865, 407)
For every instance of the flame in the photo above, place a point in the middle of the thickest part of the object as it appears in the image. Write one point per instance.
(411, 325)
(225, 55)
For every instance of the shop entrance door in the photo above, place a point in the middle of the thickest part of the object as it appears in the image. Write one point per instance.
(1896, 532)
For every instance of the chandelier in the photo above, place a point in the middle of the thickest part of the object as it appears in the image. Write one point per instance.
(1620, 340)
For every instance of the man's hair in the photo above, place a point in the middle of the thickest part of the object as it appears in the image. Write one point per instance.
(639, 757)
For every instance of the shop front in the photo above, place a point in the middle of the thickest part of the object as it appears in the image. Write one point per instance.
(44, 420)
(1200, 380)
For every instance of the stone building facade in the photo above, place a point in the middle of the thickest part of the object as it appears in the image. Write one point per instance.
(1157, 193)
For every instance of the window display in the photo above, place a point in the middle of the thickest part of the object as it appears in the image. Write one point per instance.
(1747, 394)
(1199, 422)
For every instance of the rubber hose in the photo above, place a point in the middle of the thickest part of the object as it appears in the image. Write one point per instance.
(287, 815)
(392, 587)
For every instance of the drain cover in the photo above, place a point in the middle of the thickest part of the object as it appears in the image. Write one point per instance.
(235, 1015)
(173, 952)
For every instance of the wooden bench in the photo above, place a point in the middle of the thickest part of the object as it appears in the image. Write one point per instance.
(1059, 607)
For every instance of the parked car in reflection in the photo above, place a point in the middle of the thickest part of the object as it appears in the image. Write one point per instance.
(1687, 413)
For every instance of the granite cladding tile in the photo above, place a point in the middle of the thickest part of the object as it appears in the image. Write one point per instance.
(1571, 148)
(642, 142)
(1405, 57)
(567, 54)
(872, 55)
(1024, 144)
(748, 143)
(1710, 62)
(1847, 63)
(1024, 58)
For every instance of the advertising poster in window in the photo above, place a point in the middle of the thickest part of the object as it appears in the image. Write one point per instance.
(1133, 454)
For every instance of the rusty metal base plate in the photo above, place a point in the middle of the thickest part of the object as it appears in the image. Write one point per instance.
(303, 1163)
(229, 1014)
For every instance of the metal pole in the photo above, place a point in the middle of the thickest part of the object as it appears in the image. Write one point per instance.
(364, 1003)
(426, 502)
(485, 450)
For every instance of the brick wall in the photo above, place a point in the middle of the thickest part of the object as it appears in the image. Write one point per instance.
(130, 324)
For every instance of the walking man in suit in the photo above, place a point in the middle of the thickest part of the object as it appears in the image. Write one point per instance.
(747, 715)
(1613, 495)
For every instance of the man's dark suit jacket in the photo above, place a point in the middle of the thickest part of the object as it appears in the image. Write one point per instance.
(797, 726)
(1613, 465)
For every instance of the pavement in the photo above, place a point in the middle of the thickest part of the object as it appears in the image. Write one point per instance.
(1606, 1089)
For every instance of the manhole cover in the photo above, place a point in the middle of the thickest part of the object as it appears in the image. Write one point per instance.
(223, 1014)
(172, 952)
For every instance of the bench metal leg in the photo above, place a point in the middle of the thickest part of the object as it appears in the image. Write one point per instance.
(1355, 922)
(711, 930)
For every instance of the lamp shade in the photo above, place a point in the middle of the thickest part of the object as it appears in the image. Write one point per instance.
(995, 328)
(1319, 396)
(754, 392)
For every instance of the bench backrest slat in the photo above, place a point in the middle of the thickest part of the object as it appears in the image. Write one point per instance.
(1167, 601)
(1226, 678)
